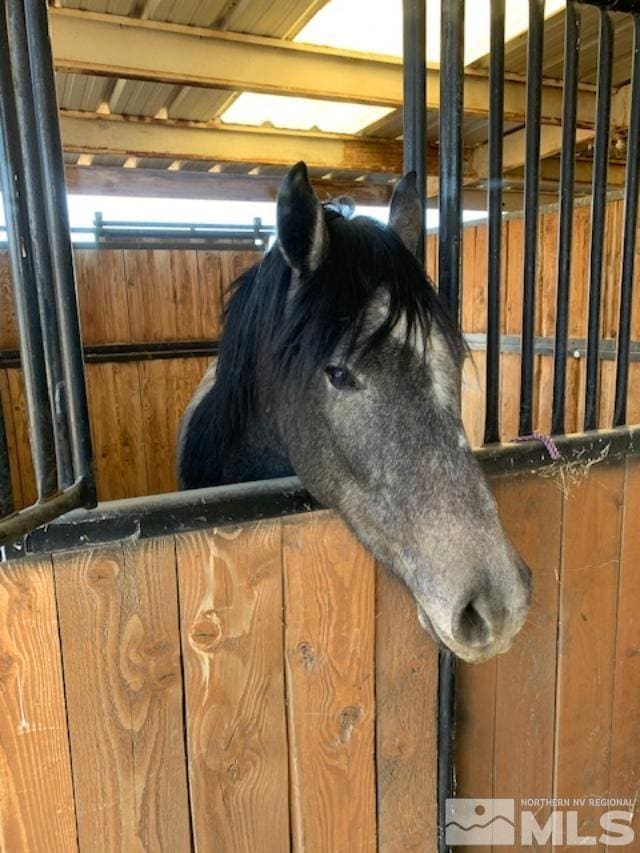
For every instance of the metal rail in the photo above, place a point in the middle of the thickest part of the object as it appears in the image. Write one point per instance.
(414, 116)
(494, 266)
(598, 202)
(32, 179)
(565, 229)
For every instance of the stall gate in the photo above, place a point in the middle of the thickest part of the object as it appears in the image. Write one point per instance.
(266, 687)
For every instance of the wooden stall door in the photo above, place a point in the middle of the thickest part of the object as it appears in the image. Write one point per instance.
(248, 689)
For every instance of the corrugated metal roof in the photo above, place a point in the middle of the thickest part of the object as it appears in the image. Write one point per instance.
(284, 19)
(516, 50)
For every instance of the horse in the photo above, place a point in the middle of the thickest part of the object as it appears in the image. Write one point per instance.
(340, 364)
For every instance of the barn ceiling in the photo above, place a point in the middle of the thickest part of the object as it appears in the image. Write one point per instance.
(151, 85)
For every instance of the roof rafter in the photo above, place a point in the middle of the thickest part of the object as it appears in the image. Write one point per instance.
(135, 137)
(113, 46)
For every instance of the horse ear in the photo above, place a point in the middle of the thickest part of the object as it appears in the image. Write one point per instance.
(405, 213)
(302, 232)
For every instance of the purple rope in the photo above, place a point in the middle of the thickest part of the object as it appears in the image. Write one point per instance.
(549, 443)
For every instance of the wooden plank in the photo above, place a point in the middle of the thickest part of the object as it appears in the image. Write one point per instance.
(509, 395)
(36, 800)
(548, 275)
(513, 309)
(102, 296)
(232, 640)
(117, 431)
(612, 268)
(531, 512)
(121, 653)
(162, 288)
(406, 722)
(475, 732)
(210, 293)
(8, 328)
(12, 440)
(166, 386)
(578, 288)
(329, 648)
(624, 770)
(588, 601)
(21, 432)
(473, 397)
(480, 278)
(232, 265)
(468, 280)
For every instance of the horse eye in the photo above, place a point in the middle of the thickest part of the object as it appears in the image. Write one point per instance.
(340, 377)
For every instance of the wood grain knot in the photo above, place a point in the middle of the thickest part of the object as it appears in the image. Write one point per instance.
(347, 720)
(102, 575)
(206, 633)
(305, 650)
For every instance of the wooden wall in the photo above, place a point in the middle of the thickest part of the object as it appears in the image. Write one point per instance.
(137, 296)
(559, 715)
(265, 687)
(256, 688)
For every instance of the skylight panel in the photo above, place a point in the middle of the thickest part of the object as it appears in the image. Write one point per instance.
(376, 26)
(302, 113)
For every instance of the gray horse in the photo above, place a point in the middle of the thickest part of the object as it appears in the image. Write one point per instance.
(339, 363)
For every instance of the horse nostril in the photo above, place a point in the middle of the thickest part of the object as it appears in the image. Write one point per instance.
(474, 624)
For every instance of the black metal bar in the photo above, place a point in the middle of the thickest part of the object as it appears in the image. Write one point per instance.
(496, 134)
(446, 740)
(12, 182)
(631, 199)
(55, 200)
(450, 161)
(162, 515)
(565, 227)
(6, 492)
(39, 244)
(531, 205)
(414, 119)
(598, 207)
(16, 525)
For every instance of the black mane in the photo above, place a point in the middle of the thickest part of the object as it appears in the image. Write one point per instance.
(283, 334)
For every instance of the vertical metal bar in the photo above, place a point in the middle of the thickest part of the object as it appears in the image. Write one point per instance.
(26, 296)
(414, 120)
(496, 134)
(39, 245)
(598, 207)
(446, 739)
(630, 234)
(451, 89)
(531, 205)
(565, 228)
(55, 200)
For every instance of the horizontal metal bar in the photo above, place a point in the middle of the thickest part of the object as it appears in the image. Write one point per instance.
(179, 512)
(576, 347)
(101, 353)
(18, 525)
(160, 515)
(476, 341)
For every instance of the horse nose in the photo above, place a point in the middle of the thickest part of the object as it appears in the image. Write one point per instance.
(478, 621)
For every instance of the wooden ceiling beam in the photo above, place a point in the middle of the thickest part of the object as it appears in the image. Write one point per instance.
(128, 136)
(113, 46)
(162, 183)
